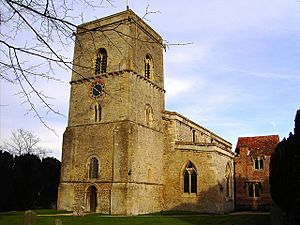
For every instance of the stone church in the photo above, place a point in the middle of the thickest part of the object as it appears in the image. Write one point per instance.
(123, 152)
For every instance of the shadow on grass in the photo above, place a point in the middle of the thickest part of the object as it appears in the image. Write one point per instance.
(164, 218)
(227, 219)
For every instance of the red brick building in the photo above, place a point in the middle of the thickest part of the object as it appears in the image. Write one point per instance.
(252, 190)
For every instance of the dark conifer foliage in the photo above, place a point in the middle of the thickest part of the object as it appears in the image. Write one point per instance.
(285, 174)
(6, 174)
(50, 182)
(27, 182)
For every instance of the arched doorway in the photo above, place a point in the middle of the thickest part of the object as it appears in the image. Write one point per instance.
(93, 198)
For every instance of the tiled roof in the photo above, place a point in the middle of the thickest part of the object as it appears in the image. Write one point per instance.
(258, 144)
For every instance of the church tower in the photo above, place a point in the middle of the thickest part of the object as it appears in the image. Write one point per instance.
(113, 145)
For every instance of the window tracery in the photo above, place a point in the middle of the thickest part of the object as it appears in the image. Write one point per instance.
(190, 179)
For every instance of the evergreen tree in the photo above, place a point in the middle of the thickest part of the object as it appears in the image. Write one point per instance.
(285, 174)
(50, 182)
(27, 181)
(6, 174)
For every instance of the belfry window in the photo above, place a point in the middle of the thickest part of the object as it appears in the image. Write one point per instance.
(190, 179)
(148, 67)
(101, 61)
(94, 168)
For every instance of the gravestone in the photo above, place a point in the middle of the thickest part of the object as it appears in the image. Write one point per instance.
(29, 218)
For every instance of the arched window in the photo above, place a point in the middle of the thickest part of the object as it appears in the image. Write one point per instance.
(190, 179)
(94, 168)
(148, 67)
(101, 61)
(228, 177)
(98, 112)
(148, 115)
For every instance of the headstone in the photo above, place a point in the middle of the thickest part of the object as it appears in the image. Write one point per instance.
(58, 222)
(29, 218)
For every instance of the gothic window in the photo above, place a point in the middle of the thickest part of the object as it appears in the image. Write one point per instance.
(228, 177)
(193, 181)
(190, 179)
(254, 189)
(148, 67)
(186, 180)
(97, 112)
(148, 115)
(101, 61)
(94, 168)
(259, 163)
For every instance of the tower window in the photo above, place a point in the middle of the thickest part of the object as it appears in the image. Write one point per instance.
(98, 112)
(101, 61)
(190, 179)
(94, 168)
(148, 67)
(148, 115)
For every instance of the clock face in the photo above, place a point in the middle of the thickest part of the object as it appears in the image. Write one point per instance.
(96, 89)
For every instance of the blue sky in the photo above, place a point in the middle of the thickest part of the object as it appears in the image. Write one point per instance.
(239, 77)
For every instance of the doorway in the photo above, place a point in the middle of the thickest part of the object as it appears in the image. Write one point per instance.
(93, 198)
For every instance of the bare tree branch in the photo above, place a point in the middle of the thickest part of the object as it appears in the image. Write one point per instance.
(149, 12)
(34, 34)
(24, 142)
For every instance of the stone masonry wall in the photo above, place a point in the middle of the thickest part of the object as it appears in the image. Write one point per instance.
(210, 160)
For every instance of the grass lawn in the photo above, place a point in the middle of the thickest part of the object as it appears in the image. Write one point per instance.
(16, 218)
